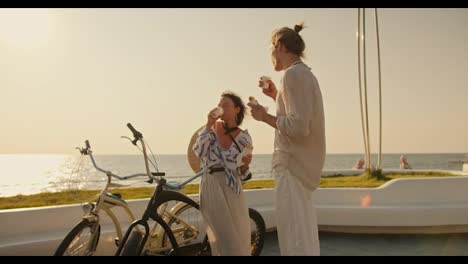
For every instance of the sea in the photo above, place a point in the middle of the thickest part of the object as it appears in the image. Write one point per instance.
(35, 173)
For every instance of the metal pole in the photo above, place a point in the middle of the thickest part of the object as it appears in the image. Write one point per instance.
(365, 88)
(379, 164)
(360, 82)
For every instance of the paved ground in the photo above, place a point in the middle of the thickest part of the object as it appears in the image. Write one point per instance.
(340, 244)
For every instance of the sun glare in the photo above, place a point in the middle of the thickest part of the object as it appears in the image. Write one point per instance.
(24, 173)
(25, 28)
(366, 201)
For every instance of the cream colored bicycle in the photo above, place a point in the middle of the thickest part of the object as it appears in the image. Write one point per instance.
(84, 237)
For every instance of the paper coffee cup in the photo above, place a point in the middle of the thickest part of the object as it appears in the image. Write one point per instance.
(264, 80)
(217, 112)
(252, 100)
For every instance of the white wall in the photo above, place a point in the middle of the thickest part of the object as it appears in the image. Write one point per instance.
(426, 202)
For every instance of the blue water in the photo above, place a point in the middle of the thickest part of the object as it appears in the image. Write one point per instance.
(29, 174)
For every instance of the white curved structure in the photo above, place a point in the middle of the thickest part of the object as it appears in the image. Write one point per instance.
(436, 205)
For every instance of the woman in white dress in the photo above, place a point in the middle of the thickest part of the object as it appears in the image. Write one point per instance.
(222, 202)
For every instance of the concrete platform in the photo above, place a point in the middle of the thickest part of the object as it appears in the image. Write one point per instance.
(340, 244)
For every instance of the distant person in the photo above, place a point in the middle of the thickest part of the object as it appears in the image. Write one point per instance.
(404, 163)
(359, 164)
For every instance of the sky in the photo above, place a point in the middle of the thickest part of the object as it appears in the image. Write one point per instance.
(67, 75)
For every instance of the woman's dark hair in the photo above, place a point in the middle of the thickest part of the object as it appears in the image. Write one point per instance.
(237, 103)
(290, 38)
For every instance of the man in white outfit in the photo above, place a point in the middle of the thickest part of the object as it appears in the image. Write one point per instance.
(299, 152)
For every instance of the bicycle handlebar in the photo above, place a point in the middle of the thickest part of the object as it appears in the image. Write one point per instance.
(136, 134)
(109, 173)
(84, 151)
(152, 175)
(175, 186)
(170, 185)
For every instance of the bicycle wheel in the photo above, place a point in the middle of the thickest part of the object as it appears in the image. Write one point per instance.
(257, 237)
(81, 241)
(188, 228)
(257, 227)
(133, 242)
(258, 231)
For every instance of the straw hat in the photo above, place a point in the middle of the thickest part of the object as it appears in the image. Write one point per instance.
(192, 158)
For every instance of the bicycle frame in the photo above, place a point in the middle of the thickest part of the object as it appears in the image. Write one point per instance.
(107, 201)
(160, 196)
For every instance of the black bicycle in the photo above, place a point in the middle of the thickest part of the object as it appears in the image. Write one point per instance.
(181, 229)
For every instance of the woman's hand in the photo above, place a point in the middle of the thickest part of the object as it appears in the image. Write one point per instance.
(271, 91)
(246, 160)
(210, 119)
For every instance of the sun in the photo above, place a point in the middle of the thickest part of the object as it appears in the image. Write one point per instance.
(25, 28)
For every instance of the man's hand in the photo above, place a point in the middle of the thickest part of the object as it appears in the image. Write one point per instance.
(258, 112)
(271, 91)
